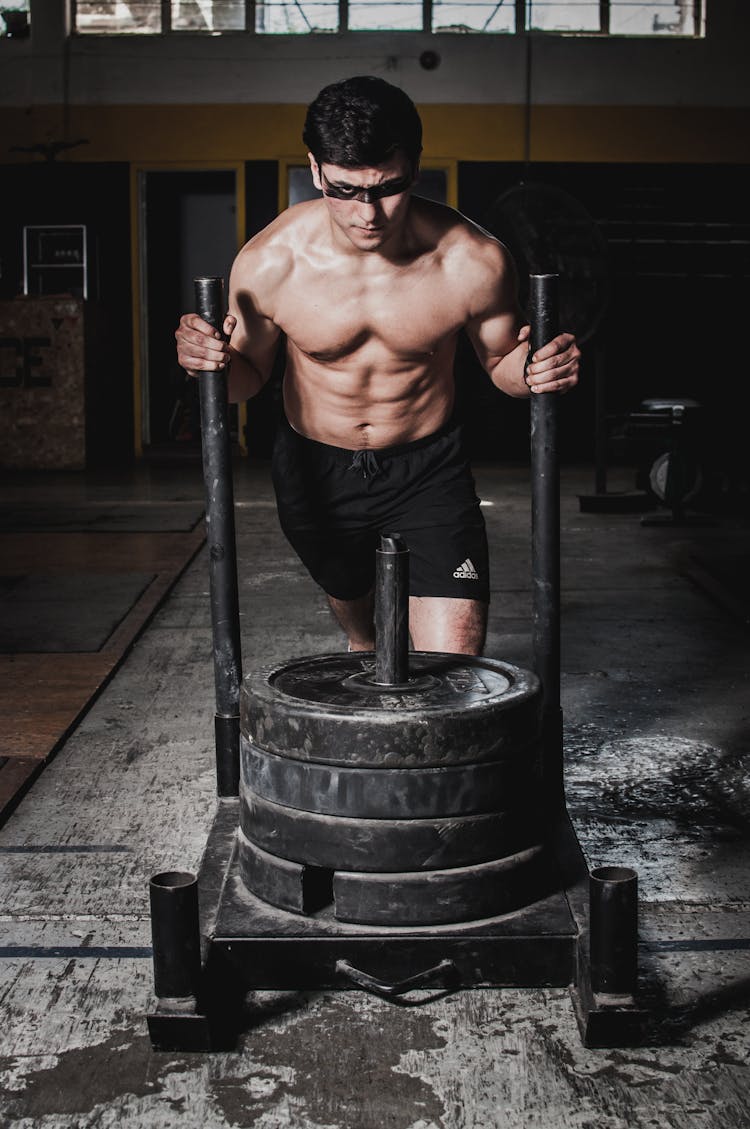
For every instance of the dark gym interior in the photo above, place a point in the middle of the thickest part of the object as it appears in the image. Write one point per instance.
(142, 145)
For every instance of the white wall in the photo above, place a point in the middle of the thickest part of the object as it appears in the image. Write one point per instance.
(177, 69)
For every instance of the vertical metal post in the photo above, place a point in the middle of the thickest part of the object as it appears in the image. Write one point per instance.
(176, 934)
(600, 421)
(528, 94)
(545, 537)
(225, 616)
(391, 611)
(613, 891)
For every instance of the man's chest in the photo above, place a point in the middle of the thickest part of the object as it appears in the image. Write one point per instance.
(405, 315)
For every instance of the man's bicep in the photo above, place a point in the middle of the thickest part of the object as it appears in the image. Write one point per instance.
(496, 317)
(255, 336)
(494, 334)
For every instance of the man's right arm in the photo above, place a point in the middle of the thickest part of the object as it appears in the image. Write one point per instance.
(251, 348)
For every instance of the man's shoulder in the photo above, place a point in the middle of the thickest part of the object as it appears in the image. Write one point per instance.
(460, 242)
(284, 231)
(270, 254)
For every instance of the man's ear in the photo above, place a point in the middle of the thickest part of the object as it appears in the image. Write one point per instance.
(315, 170)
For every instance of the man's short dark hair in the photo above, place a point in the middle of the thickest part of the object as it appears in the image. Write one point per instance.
(361, 122)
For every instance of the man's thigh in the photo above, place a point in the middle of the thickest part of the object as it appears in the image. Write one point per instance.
(452, 625)
(343, 564)
(437, 512)
(319, 506)
(449, 556)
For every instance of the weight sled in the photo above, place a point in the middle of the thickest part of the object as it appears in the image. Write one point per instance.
(389, 822)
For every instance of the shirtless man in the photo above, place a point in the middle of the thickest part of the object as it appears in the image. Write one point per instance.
(371, 286)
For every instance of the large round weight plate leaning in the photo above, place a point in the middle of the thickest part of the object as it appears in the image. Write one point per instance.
(675, 478)
(455, 710)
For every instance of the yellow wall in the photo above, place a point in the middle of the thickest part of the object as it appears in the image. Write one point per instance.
(463, 132)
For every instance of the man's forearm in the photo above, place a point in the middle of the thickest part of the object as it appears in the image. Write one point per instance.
(245, 380)
(508, 374)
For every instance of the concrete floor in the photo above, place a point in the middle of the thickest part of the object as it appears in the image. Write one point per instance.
(655, 694)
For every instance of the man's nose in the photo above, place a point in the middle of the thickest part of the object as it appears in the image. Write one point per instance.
(368, 209)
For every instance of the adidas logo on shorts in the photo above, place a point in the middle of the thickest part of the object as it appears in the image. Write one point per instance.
(466, 571)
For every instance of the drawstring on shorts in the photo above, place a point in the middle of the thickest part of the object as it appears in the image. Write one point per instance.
(365, 461)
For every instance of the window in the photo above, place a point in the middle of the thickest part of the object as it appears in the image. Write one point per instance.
(207, 15)
(626, 17)
(305, 17)
(616, 17)
(15, 20)
(450, 15)
(118, 18)
(546, 15)
(296, 17)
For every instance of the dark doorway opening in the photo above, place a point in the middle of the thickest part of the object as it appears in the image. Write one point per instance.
(189, 229)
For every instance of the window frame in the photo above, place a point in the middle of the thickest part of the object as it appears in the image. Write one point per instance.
(605, 7)
(520, 29)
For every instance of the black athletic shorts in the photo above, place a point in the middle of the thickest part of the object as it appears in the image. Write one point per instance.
(334, 504)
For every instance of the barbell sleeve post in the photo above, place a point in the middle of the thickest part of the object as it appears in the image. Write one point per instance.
(613, 893)
(545, 536)
(222, 550)
(175, 933)
(391, 611)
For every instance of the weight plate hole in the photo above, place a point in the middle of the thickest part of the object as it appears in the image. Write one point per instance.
(365, 680)
(317, 888)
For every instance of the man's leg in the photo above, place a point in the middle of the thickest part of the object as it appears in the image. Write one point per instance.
(436, 623)
(356, 618)
(440, 623)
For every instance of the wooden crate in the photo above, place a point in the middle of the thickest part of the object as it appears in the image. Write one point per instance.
(42, 370)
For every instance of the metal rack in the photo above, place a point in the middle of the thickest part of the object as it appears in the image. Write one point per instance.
(55, 260)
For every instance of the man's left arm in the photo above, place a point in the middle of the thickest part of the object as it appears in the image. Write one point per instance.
(501, 339)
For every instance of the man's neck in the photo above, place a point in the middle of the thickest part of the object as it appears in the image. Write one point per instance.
(393, 249)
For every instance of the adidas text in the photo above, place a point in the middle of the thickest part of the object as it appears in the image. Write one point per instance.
(466, 571)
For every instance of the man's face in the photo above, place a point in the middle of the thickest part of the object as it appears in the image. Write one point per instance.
(367, 205)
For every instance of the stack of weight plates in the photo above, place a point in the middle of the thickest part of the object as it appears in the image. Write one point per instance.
(402, 806)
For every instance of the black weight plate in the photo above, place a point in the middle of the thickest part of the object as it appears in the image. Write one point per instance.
(342, 843)
(275, 880)
(390, 793)
(466, 893)
(456, 710)
(412, 898)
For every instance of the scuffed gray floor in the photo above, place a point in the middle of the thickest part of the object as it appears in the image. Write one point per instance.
(655, 693)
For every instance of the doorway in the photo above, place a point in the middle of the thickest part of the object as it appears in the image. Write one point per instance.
(188, 227)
